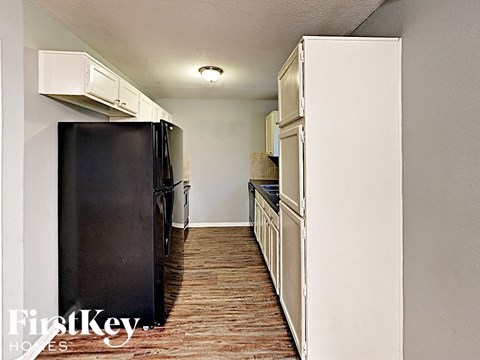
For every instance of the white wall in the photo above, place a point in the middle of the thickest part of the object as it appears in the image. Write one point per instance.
(441, 104)
(219, 136)
(11, 35)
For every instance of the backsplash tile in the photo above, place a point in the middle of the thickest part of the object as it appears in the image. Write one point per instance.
(186, 167)
(262, 168)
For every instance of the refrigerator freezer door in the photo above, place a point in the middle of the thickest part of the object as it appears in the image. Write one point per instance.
(171, 154)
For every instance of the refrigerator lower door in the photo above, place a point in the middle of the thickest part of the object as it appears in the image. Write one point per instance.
(159, 244)
(169, 239)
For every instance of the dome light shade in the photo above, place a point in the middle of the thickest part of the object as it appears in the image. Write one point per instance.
(210, 73)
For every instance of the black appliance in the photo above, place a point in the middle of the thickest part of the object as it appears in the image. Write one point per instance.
(120, 219)
(251, 204)
(186, 206)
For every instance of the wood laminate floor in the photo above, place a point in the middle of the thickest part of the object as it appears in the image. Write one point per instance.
(226, 309)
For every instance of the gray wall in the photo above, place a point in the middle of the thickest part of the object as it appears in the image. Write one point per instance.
(219, 136)
(441, 145)
(40, 201)
(11, 36)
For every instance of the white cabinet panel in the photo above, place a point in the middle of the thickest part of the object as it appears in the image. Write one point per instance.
(157, 113)
(290, 88)
(292, 274)
(271, 133)
(102, 82)
(274, 256)
(341, 275)
(291, 168)
(266, 238)
(77, 78)
(128, 96)
(145, 109)
(258, 211)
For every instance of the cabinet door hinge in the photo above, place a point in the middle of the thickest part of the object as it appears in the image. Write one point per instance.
(301, 55)
(304, 290)
(302, 136)
(303, 205)
(87, 77)
(302, 103)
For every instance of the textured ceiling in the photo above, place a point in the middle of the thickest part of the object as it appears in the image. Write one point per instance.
(160, 44)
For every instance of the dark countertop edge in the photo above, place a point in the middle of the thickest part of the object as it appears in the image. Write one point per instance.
(257, 185)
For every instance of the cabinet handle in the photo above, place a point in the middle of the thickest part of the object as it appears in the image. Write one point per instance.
(124, 103)
(117, 101)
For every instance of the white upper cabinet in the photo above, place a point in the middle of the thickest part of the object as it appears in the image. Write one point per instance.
(271, 133)
(166, 115)
(157, 113)
(290, 88)
(128, 96)
(78, 78)
(145, 109)
(101, 82)
(160, 113)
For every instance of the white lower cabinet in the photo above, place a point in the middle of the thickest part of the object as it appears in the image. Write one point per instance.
(267, 235)
(258, 212)
(274, 256)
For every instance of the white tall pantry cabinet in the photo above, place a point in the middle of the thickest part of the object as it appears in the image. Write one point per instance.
(341, 198)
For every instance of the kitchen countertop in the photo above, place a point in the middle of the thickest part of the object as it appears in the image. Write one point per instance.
(272, 200)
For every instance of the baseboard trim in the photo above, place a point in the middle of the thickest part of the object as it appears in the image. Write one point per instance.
(219, 224)
(38, 346)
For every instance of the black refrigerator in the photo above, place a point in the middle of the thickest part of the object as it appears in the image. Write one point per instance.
(120, 214)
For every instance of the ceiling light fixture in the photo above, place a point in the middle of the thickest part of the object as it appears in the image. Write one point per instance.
(210, 73)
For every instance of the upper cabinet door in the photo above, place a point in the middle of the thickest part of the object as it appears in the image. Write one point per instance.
(145, 108)
(128, 96)
(271, 133)
(101, 82)
(290, 88)
(291, 169)
(157, 113)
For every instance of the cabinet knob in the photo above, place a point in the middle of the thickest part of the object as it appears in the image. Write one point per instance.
(124, 103)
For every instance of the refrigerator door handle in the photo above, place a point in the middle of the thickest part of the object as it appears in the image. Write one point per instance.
(161, 199)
